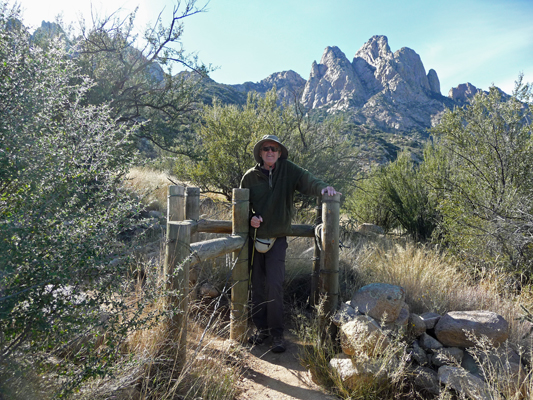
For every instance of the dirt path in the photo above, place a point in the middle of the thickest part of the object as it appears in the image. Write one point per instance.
(278, 376)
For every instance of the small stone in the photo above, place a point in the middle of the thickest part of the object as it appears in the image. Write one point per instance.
(428, 342)
(430, 319)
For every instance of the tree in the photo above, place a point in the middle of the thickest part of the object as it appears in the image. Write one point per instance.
(61, 212)
(228, 133)
(480, 167)
(139, 83)
(395, 195)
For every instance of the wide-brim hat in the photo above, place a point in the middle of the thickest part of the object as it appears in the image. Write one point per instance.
(269, 138)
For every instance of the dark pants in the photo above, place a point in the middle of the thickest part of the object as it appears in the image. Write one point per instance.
(268, 274)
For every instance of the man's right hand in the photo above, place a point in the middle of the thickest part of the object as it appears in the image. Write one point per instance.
(256, 221)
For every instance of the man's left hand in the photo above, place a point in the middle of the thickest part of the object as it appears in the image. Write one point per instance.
(330, 190)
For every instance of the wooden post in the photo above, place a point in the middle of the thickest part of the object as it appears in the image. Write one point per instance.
(176, 269)
(176, 203)
(329, 273)
(192, 207)
(239, 290)
(192, 212)
(315, 274)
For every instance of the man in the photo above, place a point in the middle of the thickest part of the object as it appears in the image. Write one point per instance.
(272, 183)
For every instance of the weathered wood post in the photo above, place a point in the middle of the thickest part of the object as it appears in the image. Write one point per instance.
(176, 270)
(315, 274)
(176, 203)
(329, 273)
(175, 253)
(239, 290)
(192, 207)
(192, 212)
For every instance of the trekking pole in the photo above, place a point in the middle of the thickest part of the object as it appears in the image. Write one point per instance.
(252, 261)
(253, 248)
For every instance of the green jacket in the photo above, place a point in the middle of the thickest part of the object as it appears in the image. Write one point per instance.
(275, 204)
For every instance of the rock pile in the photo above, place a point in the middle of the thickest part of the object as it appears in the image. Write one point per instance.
(441, 349)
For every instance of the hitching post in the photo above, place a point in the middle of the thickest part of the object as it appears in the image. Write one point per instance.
(177, 250)
(176, 203)
(329, 274)
(239, 290)
(176, 271)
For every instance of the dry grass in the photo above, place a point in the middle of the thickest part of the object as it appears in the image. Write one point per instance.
(152, 369)
(151, 186)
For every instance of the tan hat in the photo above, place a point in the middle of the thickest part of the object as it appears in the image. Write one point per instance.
(269, 138)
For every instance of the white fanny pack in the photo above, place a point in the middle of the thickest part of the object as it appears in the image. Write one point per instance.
(264, 245)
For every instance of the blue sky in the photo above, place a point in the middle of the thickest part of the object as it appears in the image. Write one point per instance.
(483, 42)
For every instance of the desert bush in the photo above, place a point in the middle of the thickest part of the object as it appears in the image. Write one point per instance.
(480, 170)
(395, 196)
(62, 216)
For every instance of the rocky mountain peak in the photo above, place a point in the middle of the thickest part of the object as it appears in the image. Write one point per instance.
(378, 87)
(463, 92)
(332, 54)
(375, 50)
(288, 84)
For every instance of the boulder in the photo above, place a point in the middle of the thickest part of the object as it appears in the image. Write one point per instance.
(416, 353)
(380, 301)
(426, 380)
(416, 325)
(428, 342)
(343, 366)
(354, 373)
(464, 383)
(403, 318)
(454, 328)
(363, 335)
(207, 290)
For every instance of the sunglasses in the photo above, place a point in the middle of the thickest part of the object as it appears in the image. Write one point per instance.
(271, 148)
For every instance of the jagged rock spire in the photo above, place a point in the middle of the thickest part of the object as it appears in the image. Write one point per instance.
(390, 90)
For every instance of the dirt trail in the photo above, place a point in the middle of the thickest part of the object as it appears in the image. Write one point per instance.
(278, 376)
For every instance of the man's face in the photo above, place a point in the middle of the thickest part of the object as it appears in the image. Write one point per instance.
(270, 152)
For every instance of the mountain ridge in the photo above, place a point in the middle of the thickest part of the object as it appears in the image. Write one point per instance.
(378, 88)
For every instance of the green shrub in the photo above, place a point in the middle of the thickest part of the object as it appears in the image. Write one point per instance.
(480, 169)
(395, 196)
(61, 216)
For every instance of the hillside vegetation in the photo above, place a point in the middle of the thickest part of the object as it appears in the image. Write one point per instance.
(94, 130)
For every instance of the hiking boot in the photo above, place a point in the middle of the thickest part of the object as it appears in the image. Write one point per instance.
(258, 337)
(278, 344)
